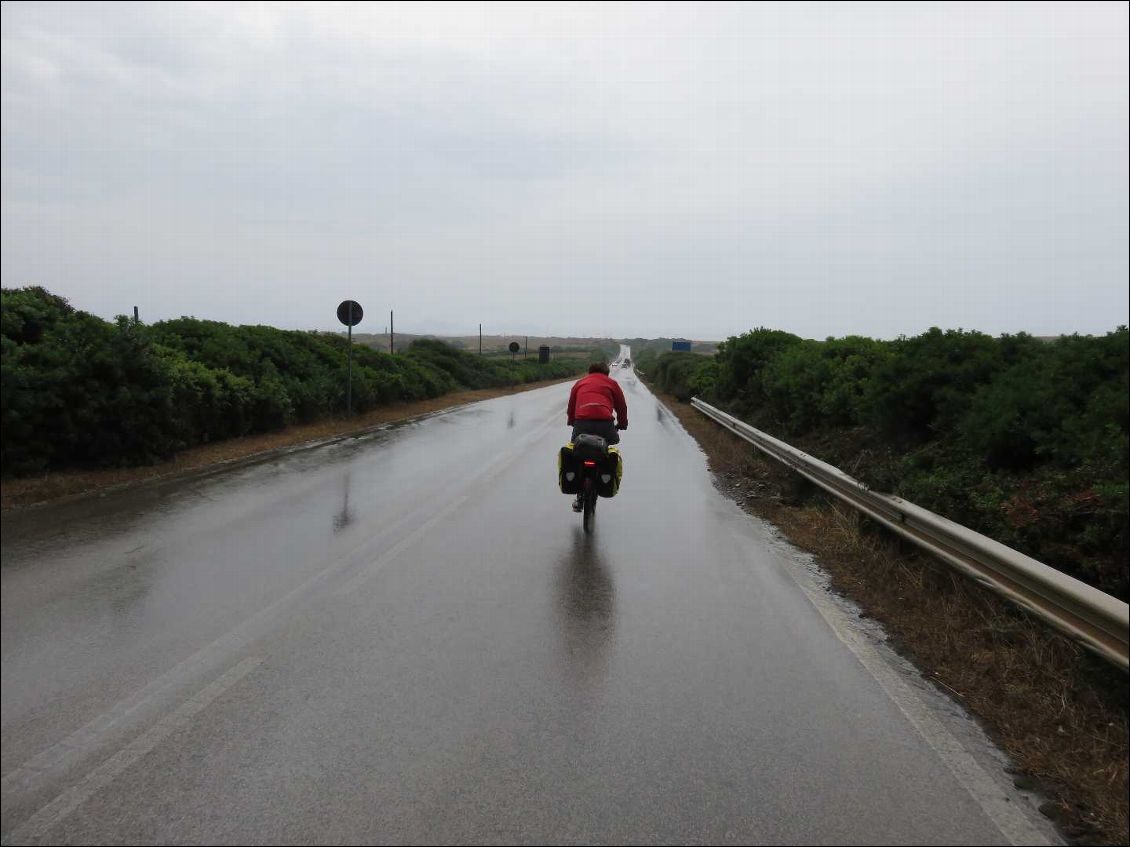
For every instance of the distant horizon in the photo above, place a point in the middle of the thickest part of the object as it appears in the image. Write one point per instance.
(452, 329)
(362, 329)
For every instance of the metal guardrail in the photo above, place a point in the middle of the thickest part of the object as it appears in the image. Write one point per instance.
(1095, 619)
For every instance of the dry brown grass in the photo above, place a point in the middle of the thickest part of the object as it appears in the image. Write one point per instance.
(1059, 712)
(52, 486)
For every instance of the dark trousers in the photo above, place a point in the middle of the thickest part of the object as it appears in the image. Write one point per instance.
(605, 429)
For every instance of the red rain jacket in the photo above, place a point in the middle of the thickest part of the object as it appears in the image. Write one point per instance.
(594, 398)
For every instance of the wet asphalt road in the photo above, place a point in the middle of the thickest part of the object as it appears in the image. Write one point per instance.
(407, 637)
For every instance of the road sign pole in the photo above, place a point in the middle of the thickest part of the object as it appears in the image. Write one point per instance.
(349, 312)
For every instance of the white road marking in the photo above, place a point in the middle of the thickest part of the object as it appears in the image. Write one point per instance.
(39, 824)
(1012, 821)
(65, 755)
(1014, 824)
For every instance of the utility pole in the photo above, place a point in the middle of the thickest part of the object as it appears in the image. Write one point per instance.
(391, 335)
(526, 352)
(480, 339)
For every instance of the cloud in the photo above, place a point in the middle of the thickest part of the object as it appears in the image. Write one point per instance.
(677, 169)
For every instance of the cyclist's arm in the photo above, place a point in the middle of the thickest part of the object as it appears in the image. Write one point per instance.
(571, 414)
(621, 406)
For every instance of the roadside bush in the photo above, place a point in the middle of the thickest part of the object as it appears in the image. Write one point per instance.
(81, 392)
(472, 371)
(76, 386)
(927, 383)
(1025, 440)
(677, 373)
(741, 361)
(685, 375)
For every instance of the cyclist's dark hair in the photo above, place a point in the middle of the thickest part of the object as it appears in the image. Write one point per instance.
(599, 368)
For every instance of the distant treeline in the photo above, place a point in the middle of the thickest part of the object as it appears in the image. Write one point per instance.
(663, 345)
(1020, 438)
(78, 391)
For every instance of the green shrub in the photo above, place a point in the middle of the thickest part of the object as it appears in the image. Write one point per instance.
(1021, 439)
(741, 361)
(927, 383)
(79, 391)
(76, 386)
(468, 370)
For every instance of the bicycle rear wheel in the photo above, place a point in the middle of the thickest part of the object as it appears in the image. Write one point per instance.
(590, 505)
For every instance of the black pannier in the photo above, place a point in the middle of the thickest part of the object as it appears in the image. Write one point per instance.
(570, 465)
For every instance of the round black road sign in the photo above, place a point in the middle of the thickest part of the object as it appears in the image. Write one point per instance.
(515, 347)
(349, 312)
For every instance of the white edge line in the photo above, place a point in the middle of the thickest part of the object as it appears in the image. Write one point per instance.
(1014, 824)
(39, 824)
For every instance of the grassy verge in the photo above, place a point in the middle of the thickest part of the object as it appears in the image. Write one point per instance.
(55, 485)
(1057, 711)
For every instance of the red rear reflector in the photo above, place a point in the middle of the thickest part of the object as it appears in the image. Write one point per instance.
(589, 463)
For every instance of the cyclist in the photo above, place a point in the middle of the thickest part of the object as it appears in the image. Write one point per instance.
(591, 403)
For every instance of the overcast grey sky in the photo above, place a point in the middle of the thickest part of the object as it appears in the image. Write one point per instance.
(644, 169)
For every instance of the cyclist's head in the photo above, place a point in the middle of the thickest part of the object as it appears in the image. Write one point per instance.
(599, 368)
